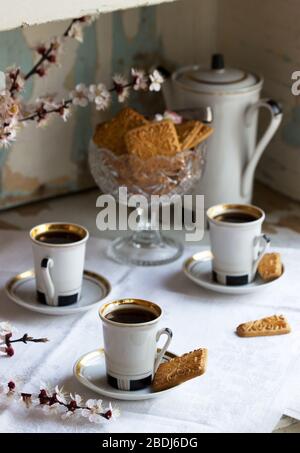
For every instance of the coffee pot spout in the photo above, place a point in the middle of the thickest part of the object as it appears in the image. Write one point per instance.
(276, 119)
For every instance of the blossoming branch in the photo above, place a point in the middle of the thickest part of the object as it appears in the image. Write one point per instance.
(97, 94)
(13, 112)
(7, 340)
(56, 401)
(48, 55)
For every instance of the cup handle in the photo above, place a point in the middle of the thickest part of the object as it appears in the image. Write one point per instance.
(263, 241)
(160, 356)
(46, 265)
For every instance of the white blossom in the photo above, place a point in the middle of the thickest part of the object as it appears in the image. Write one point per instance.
(168, 115)
(76, 32)
(140, 79)
(67, 415)
(9, 111)
(77, 398)
(88, 20)
(29, 401)
(65, 112)
(10, 391)
(93, 411)
(60, 395)
(156, 81)
(100, 95)
(47, 388)
(5, 328)
(51, 409)
(72, 412)
(47, 102)
(115, 411)
(80, 95)
(121, 87)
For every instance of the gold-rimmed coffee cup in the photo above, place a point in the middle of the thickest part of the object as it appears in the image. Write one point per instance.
(131, 334)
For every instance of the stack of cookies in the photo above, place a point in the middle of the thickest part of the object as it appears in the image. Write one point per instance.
(149, 154)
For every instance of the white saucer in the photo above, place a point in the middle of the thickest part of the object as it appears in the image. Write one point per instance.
(199, 270)
(21, 289)
(91, 372)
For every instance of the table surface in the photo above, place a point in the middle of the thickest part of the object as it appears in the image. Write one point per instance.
(282, 223)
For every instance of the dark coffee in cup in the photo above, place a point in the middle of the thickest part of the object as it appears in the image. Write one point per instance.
(236, 217)
(58, 237)
(134, 315)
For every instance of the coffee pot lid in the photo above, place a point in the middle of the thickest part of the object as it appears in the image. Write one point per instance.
(217, 78)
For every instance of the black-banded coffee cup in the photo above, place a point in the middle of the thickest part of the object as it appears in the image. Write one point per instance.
(237, 242)
(59, 255)
(131, 333)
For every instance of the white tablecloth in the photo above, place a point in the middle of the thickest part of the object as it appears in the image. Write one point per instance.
(244, 389)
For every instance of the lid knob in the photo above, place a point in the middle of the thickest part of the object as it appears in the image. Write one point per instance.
(218, 62)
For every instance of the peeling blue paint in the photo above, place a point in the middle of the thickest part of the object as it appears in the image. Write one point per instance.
(85, 72)
(14, 50)
(143, 50)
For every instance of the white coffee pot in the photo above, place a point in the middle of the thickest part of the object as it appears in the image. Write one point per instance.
(233, 152)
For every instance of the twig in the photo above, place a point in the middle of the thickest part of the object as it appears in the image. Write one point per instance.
(26, 339)
(42, 112)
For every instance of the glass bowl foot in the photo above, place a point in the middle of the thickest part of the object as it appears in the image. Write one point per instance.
(145, 249)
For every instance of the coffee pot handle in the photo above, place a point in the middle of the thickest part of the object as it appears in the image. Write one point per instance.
(46, 265)
(276, 118)
(161, 354)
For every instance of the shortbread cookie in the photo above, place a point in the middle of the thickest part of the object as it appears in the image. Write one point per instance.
(192, 133)
(267, 327)
(111, 135)
(179, 370)
(270, 267)
(187, 133)
(154, 139)
(204, 134)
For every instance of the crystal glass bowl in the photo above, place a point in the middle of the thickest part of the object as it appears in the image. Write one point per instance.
(159, 175)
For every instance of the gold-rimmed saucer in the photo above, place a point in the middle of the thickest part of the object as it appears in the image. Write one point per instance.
(198, 269)
(21, 289)
(90, 371)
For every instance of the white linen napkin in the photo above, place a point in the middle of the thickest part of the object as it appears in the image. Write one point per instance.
(242, 390)
(292, 391)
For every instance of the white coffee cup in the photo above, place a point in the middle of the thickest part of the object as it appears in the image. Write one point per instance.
(59, 262)
(237, 242)
(131, 349)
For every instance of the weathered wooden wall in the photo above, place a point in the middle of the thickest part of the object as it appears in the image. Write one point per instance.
(52, 160)
(265, 36)
(261, 36)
